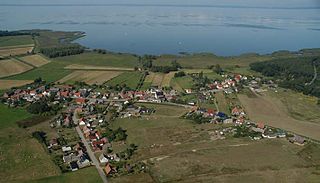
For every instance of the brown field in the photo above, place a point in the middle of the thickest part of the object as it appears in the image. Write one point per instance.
(7, 84)
(89, 67)
(11, 67)
(272, 111)
(149, 78)
(167, 79)
(90, 77)
(35, 60)
(4, 51)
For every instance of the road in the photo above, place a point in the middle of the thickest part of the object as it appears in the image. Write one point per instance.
(93, 158)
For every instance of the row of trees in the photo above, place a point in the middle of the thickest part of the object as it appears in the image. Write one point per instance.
(62, 51)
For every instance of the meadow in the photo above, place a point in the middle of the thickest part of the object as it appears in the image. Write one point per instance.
(130, 79)
(7, 41)
(96, 59)
(177, 150)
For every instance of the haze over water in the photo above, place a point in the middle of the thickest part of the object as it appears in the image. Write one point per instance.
(223, 27)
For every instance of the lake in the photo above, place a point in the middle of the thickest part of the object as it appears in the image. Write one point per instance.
(223, 27)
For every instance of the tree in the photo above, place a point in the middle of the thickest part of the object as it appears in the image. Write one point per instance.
(218, 69)
(38, 107)
(179, 74)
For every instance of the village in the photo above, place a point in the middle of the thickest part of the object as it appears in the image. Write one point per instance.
(90, 111)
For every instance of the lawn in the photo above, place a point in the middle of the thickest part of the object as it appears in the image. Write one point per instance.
(130, 79)
(50, 72)
(6, 41)
(96, 59)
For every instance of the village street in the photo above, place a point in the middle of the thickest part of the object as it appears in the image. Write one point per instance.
(90, 153)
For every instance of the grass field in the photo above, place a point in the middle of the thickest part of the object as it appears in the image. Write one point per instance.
(222, 103)
(7, 84)
(35, 60)
(6, 41)
(90, 77)
(205, 60)
(272, 111)
(53, 38)
(176, 150)
(130, 79)
(11, 67)
(50, 72)
(21, 156)
(179, 83)
(5, 52)
(88, 175)
(88, 67)
(96, 59)
(167, 79)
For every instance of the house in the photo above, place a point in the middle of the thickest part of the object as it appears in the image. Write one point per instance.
(188, 91)
(297, 140)
(260, 125)
(69, 158)
(66, 148)
(103, 159)
(74, 166)
(53, 142)
(80, 100)
(107, 169)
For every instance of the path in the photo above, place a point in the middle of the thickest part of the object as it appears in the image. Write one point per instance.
(315, 75)
(92, 156)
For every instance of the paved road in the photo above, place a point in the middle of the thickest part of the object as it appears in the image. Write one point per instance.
(91, 155)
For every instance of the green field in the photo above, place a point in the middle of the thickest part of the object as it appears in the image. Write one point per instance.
(53, 38)
(96, 59)
(8, 116)
(176, 150)
(130, 79)
(15, 40)
(88, 175)
(50, 72)
(184, 82)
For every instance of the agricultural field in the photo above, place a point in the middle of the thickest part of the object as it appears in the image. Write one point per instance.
(50, 72)
(96, 59)
(11, 67)
(7, 41)
(157, 79)
(89, 67)
(130, 79)
(176, 150)
(90, 77)
(222, 103)
(7, 84)
(35, 60)
(272, 109)
(5, 52)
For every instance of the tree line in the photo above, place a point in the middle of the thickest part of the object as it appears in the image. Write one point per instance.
(16, 33)
(62, 51)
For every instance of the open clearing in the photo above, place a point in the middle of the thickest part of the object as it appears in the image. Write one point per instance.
(272, 111)
(177, 150)
(11, 67)
(167, 79)
(90, 77)
(7, 84)
(180, 83)
(4, 52)
(130, 79)
(35, 60)
(89, 67)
